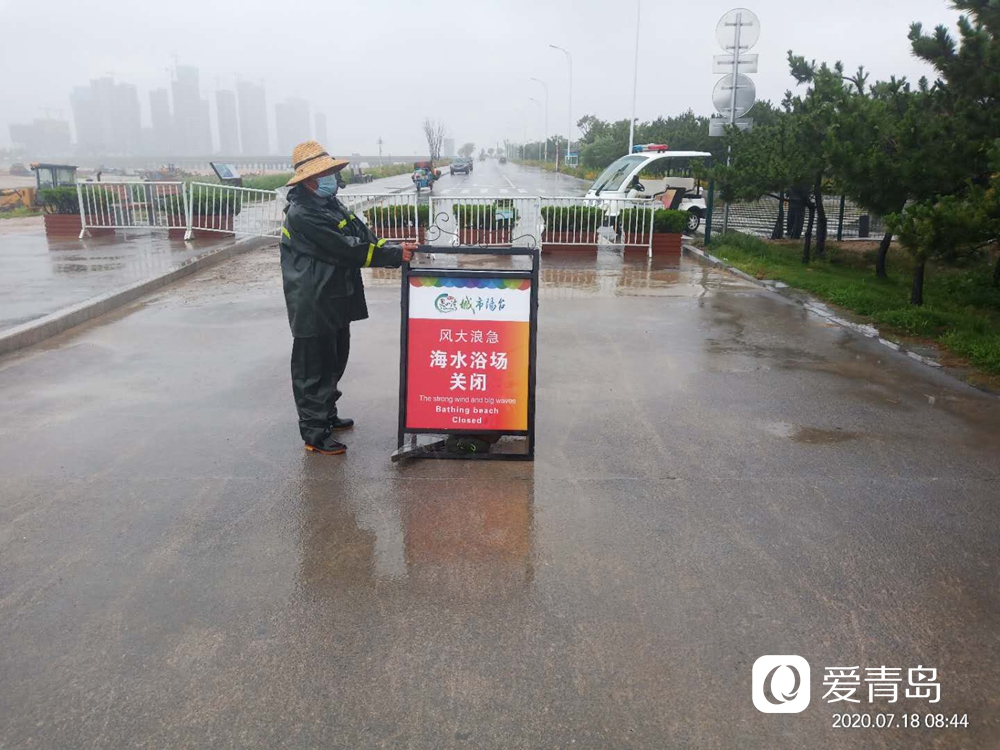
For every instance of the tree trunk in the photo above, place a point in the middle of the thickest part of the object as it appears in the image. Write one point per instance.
(917, 291)
(807, 245)
(796, 214)
(779, 226)
(883, 250)
(820, 219)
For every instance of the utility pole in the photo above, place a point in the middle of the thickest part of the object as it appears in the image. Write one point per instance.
(635, 77)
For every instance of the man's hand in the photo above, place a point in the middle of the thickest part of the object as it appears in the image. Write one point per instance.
(409, 248)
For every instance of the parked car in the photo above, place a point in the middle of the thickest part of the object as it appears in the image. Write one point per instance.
(503, 159)
(18, 170)
(462, 165)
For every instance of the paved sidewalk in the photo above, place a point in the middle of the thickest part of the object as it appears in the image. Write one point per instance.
(39, 275)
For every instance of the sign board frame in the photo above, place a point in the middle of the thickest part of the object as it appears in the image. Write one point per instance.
(410, 272)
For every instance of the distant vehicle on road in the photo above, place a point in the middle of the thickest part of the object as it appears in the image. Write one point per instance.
(424, 175)
(655, 171)
(503, 159)
(18, 170)
(461, 164)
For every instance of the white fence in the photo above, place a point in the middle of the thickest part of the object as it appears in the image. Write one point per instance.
(557, 223)
(577, 223)
(484, 221)
(114, 205)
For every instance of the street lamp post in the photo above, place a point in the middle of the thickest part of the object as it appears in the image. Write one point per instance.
(546, 86)
(635, 77)
(533, 99)
(569, 130)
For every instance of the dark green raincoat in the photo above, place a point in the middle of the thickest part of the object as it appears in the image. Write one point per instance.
(323, 249)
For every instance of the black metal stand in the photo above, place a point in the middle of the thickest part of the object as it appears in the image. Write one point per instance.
(414, 448)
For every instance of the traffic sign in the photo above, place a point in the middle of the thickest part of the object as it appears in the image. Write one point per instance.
(723, 64)
(722, 96)
(717, 125)
(743, 20)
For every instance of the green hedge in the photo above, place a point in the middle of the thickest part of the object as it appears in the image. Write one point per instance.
(397, 215)
(205, 203)
(667, 221)
(572, 218)
(485, 215)
(62, 200)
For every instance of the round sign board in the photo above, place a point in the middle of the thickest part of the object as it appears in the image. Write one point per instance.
(746, 95)
(725, 32)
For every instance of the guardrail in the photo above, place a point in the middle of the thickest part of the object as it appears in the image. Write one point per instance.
(124, 205)
(485, 221)
(575, 223)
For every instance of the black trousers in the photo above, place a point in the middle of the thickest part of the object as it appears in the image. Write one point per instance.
(318, 364)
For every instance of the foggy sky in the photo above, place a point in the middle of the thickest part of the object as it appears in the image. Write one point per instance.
(378, 68)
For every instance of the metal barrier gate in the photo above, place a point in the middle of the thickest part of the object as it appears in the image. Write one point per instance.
(124, 205)
(199, 207)
(573, 223)
(484, 221)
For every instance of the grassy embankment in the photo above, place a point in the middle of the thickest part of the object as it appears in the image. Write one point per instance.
(961, 311)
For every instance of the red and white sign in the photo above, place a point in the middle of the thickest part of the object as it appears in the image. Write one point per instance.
(467, 354)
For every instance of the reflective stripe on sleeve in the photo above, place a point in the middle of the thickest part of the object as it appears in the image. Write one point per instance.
(371, 252)
(284, 231)
(380, 243)
(342, 224)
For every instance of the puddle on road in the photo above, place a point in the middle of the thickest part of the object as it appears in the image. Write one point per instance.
(809, 435)
(604, 274)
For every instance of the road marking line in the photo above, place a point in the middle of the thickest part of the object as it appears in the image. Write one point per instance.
(522, 191)
(484, 191)
(504, 190)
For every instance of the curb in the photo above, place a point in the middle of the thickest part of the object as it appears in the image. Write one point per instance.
(35, 331)
(811, 304)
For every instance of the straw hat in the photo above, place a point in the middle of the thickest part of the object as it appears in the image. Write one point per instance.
(310, 159)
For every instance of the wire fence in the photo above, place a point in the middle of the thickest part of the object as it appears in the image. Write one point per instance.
(845, 218)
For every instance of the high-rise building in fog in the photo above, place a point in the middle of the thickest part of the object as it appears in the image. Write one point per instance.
(321, 129)
(253, 119)
(107, 118)
(43, 137)
(192, 125)
(162, 121)
(291, 121)
(229, 127)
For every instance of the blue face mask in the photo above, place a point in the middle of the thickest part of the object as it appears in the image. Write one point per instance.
(326, 186)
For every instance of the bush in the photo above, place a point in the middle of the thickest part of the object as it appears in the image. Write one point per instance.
(267, 181)
(61, 200)
(205, 203)
(397, 215)
(572, 218)
(485, 215)
(670, 222)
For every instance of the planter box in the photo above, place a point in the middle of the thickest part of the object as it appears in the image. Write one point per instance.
(562, 242)
(665, 247)
(635, 240)
(69, 225)
(498, 236)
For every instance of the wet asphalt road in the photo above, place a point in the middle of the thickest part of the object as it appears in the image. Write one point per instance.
(720, 475)
(488, 178)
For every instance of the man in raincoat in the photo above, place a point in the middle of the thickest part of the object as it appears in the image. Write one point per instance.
(323, 249)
